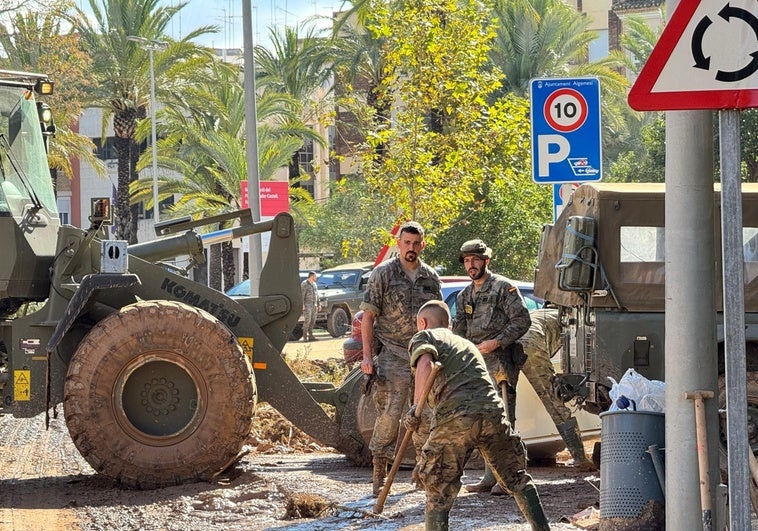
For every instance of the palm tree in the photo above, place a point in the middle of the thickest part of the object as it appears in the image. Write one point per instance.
(299, 65)
(203, 139)
(549, 38)
(121, 70)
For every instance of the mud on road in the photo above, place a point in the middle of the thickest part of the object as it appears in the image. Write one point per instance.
(46, 485)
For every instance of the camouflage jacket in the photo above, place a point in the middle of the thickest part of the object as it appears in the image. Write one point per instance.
(395, 301)
(496, 311)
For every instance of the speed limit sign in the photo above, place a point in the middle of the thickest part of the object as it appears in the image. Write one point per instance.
(566, 138)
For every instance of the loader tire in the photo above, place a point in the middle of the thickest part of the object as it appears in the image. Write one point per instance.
(158, 394)
(752, 430)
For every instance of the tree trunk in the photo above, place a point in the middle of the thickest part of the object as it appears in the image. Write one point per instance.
(214, 267)
(227, 259)
(124, 126)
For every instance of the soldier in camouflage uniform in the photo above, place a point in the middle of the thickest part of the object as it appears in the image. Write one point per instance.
(396, 290)
(491, 314)
(468, 413)
(309, 290)
(541, 342)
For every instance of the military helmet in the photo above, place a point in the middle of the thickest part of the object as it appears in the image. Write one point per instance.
(475, 248)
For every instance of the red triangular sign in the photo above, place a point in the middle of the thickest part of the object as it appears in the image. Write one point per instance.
(706, 58)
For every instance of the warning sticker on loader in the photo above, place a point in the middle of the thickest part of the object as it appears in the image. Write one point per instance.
(247, 347)
(22, 385)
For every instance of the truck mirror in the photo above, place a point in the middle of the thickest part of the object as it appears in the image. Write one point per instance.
(579, 260)
(100, 211)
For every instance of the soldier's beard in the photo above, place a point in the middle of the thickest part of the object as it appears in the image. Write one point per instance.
(411, 257)
(475, 273)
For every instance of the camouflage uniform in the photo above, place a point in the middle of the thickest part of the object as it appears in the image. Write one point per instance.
(468, 414)
(541, 341)
(310, 307)
(395, 300)
(495, 311)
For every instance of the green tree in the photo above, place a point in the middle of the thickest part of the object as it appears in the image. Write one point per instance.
(299, 65)
(121, 72)
(438, 148)
(549, 38)
(34, 41)
(203, 139)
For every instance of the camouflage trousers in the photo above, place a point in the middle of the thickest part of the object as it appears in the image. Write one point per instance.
(309, 320)
(392, 393)
(539, 370)
(450, 446)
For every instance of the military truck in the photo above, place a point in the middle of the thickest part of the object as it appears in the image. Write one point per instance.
(602, 262)
(158, 375)
(340, 291)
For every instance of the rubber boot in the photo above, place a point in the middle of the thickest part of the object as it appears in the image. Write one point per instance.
(569, 431)
(531, 507)
(437, 520)
(485, 484)
(380, 473)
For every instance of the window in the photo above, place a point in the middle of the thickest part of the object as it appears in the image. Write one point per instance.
(305, 161)
(105, 151)
(64, 210)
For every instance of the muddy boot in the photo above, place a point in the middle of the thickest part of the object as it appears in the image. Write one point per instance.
(437, 520)
(531, 507)
(569, 431)
(380, 472)
(485, 484)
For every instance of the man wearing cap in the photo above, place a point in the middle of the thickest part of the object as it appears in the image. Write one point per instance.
(491, 314)
(395, 291)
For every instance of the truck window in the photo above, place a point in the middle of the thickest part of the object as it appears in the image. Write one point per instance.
(750, 252)
(641, 254)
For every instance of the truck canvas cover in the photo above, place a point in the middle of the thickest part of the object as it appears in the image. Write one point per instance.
(629, 247)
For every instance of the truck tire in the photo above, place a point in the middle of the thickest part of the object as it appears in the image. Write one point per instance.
(158, 394)
(338, 322)
(752, 429)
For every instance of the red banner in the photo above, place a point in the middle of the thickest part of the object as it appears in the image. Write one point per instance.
(274, 196)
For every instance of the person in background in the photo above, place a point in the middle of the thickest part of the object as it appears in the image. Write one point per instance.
(396, 290)
(491, 314)
(467, 413)
(309, 289)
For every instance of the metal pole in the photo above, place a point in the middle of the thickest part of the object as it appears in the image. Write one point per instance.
(690, 318)
(251, 131)
(153, 137)
(734, 320)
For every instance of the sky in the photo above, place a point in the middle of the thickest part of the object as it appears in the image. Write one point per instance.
(227, 14)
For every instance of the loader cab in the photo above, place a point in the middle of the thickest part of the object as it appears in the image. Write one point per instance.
(29, 219)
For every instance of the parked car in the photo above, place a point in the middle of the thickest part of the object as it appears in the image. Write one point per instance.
(243, 288)
(534, 424)
(340, 291)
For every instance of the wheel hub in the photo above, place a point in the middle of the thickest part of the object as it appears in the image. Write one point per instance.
(156, 399)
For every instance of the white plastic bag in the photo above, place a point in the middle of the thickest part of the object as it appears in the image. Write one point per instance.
(642, 394)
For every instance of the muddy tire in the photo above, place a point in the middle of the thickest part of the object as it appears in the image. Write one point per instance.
(752, 430)
(159, 394)
(338, 322)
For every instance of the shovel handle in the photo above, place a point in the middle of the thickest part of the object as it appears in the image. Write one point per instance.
(379, 506)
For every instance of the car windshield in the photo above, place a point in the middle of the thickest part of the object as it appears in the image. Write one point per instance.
(338, 279)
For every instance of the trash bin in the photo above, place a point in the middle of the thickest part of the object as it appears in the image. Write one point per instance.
(631, 497)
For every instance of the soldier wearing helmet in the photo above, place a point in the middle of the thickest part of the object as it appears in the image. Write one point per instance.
(491, 314)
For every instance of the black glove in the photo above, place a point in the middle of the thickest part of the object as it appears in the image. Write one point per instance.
(410, 420)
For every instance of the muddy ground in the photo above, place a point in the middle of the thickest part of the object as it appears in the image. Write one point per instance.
(284, 480)
(46, 485)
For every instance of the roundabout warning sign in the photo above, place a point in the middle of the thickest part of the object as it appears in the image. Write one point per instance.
(706, 58)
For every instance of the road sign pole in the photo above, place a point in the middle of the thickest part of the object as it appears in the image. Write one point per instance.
(734, 319)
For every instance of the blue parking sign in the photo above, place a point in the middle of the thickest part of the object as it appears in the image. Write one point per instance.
(566, 138)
